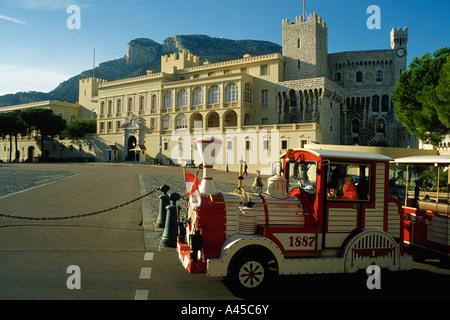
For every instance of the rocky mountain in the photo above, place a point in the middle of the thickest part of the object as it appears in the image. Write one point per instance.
(145, 54)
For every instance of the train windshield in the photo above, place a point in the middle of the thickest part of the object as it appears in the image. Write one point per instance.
(304, 175)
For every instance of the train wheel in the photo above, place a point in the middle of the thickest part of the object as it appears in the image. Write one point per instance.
(249, 274)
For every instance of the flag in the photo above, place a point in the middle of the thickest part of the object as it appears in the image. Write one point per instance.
(189, 179)
(193, 187)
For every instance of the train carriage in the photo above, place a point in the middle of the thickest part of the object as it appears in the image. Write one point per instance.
(426, 205)
(325, 212)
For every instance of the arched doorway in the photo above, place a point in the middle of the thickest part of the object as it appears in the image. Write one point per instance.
(30, 157)
(132, 143)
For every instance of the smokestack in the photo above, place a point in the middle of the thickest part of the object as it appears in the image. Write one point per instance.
(209, 150)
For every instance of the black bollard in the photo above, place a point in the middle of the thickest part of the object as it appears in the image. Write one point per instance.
(169, 237)
(164, 201)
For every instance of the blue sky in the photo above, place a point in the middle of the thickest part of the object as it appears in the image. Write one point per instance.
(38, 51)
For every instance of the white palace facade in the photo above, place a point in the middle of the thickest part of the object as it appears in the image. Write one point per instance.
(257, 105)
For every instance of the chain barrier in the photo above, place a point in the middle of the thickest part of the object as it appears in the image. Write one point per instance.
(80, 215)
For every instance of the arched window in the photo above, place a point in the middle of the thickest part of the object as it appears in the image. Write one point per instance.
(248, 93)
(167, 123)
(359, 76)
(198, 97)
(293, 98)
(110, 107)
(385, 103)
(102, 108)
(119, 105)
(182, 98)
(337, 77)
(154, 101)
(141, 103)
(168, 100)
(181, 122)
(379, 76)
(130, 105)
(231, 93)
(375, 104)
(214, 95)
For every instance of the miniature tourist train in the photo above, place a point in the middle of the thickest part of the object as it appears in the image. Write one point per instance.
(324, 212)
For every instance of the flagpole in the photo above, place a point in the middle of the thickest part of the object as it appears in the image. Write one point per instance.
(93, 69)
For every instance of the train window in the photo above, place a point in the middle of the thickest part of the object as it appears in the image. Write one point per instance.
(304, 175)
(349, 182)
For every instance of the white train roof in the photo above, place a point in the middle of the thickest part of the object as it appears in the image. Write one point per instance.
(424, 159)
(346, 155)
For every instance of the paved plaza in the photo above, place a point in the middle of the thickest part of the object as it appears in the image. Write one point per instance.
(118, 250)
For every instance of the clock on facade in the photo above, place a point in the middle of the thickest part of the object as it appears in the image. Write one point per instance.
(401, 52)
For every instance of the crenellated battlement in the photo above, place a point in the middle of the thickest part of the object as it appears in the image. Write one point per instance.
(92, 80)
(183, 56)
(399, 37)
(313, 17)
(179, 61)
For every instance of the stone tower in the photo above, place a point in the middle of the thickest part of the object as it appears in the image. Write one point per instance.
(399, 42)
(305, 47)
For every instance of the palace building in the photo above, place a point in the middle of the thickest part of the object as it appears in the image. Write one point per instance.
(257, 105)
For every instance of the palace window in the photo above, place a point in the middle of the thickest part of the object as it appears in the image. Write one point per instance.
(130, 105)
(198, 97)
(265, 145)
(153, 122)
(376, 104)
(214, 95)
(264, 70)
(385, 103)
(248, 144)
(248, 93)
(379, 76)
(181, 122)
(337, 77)
(168, 100)
(359, 76)
(141, 103)
(231, 93)
(154, 101)
(264, 96)
(167, 123)
(182, 98)
(119, 105)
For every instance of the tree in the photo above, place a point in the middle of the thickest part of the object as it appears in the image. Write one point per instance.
(11, 125)
(45, 122)
(421, 97)
(77, 129)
